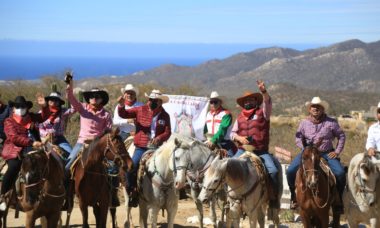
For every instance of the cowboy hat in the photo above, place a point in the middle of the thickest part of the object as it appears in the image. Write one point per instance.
(20, 101)
(378, 105)
(156, 94)
(317, 101)
(96, 92)
(55, 96)
(248, 95)
(215, 96)
(130, 87)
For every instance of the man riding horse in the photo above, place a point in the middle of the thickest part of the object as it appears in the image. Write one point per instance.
(251, 131)
(373, 139)
(152, 129)
(218, 125)
(319, 127)
(127, 126)
(22, 136)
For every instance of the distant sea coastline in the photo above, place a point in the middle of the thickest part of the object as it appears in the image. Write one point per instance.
(31, 68)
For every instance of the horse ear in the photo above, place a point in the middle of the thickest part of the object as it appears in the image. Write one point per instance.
(115, 131)
(304, 143)
(177, 142)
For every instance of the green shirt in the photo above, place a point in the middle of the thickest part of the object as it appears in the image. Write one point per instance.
(222, 131)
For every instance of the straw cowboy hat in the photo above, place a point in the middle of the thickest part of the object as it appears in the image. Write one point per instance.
(156, 94)
(130, 87)
(20, 101)
(317, 101)
(55, 96)
(95, 92)
(248, 95)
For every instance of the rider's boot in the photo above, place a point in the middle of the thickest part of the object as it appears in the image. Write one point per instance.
(293, 200)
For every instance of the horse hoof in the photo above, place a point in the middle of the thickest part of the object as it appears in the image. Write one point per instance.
(127, 225)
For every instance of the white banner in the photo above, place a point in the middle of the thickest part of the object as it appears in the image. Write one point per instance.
(187, 114)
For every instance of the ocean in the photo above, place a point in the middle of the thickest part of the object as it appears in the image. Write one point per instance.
(30, 68)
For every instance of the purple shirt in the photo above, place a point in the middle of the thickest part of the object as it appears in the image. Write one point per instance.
(92, 124)
(327, 130)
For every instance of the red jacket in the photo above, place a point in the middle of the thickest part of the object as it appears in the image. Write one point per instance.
(17, 135)
(144, 116)
(256, 127)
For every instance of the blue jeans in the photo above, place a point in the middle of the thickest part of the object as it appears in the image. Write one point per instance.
(124, 135)
(132, 175)
(334, 164)
(61, 141)
(73, 155)
(269, 163)
(229, 146)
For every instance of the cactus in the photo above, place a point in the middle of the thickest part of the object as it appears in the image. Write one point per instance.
(54, 87)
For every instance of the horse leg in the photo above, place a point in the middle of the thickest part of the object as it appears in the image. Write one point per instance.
(234, 214)
(305, 219)
(113, 216)
(84, 210)
(143, 210)
(199, 206)
(213, 211)
(30, 220)
(336, 219)
(127, 222)
(261, 215)
(253, 220)
(53, 219)
(95, 210)
(154, 214)
(103, 211)
(373, 222)
(172, 211)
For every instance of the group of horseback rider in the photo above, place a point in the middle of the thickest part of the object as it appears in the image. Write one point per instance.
(21, 131)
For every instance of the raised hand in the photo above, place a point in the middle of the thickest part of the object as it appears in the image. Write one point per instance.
(121, 101)
(261, 86)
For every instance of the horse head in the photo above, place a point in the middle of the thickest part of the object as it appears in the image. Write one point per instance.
(366, 178)
(34, 171)
(310, 163)
(114, 150)
(181, 161)
(214, 177)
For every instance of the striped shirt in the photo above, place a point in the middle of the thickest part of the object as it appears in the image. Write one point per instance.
(327, 131)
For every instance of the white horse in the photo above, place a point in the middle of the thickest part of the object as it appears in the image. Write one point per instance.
(199, 159)
(247, 190)
(164, 174)
(362, 196)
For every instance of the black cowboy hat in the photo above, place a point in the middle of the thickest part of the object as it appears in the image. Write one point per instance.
(55, 96)
(20, 101)
(95, 92)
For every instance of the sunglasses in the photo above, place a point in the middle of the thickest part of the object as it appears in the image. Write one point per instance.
(19, 106)
(316, 106)
(214, 102)
(96, 96)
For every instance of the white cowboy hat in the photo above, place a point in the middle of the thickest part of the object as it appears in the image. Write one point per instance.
(156, 94)
(317, 101)
(130, 87)
(378, 105)
(55, 96)
(215, 95)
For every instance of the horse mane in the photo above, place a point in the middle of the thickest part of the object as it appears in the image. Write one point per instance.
(367, 164)
(237, 169)
(93, 146)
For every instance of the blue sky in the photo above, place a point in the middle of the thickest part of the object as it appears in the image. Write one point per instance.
(185, 21)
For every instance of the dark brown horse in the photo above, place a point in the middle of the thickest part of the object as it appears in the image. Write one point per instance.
(315, 190)
(41, 189)
(90, 176)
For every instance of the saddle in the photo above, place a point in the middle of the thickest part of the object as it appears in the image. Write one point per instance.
(257, 163)
(326, 169)
(78, 158)
(143, 167)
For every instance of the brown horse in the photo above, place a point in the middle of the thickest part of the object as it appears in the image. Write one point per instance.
(41, 189)
(90, 176)
(315, 189)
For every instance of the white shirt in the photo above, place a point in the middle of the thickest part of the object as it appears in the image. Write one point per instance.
(373, 139)
(153, 126)
(125, 125)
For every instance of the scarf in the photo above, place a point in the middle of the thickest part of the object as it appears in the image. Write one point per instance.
(317, 121)
(248, 113)
(216, 112)
(129, 103)
(24, 121)
(54, 113)
(95, 108)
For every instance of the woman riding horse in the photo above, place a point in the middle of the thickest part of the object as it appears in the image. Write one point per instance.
(251, 131)
(152, 127)
(56, 122)
(21, 137)
(318, 126)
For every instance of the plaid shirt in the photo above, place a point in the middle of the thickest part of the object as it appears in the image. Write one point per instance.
(327, 130)
(57, 128)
